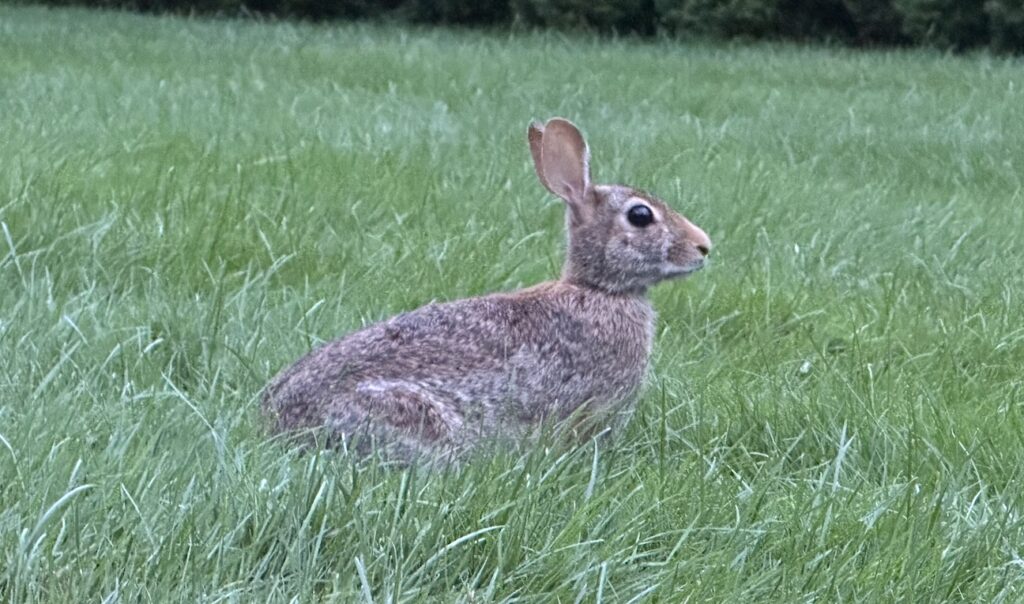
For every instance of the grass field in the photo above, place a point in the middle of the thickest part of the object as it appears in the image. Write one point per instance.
(836, 411)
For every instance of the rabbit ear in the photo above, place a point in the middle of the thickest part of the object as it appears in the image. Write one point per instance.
(535, 133)
(565, 161)
(562, 159)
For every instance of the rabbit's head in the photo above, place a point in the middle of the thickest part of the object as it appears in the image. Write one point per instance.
(620, 239)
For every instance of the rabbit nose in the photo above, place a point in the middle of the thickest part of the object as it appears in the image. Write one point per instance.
(699, 238)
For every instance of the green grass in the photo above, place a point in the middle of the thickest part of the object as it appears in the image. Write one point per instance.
(836, 410)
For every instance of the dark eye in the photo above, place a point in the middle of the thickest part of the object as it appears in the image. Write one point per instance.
(640, 216)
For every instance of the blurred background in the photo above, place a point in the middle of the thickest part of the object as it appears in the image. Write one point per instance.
(946, 24)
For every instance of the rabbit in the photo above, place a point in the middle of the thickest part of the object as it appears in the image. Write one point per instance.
(434, 381)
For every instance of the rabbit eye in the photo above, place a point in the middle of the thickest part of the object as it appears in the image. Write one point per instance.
(640, 216)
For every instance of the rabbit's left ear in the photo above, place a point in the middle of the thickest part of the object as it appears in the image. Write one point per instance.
(565, 162)
(535, 133)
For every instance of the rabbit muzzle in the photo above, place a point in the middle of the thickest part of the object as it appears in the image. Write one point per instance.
(688, 252)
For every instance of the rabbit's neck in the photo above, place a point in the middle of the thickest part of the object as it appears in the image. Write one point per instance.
(600, 282)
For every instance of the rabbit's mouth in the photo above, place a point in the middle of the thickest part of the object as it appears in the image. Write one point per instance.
(671, 270)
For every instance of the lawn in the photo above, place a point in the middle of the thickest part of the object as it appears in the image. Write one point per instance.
(836, 410)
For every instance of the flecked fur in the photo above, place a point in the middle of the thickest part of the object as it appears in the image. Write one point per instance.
(434, 381)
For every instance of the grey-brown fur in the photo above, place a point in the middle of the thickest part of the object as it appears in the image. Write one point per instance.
(435, 380)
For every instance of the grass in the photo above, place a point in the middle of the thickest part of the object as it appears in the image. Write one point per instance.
(836, 410)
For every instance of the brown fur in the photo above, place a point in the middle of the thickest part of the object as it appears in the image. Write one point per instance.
(435, 380)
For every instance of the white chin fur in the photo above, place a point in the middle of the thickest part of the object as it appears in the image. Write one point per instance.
(669, 269)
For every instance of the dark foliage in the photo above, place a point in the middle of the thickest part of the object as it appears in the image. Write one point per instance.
(955, 24)
(1006, 22)
(625, 16)
(875, 21)
(947, 24)
(721, 18)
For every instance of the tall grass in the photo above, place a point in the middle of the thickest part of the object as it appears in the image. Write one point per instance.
(836, 410)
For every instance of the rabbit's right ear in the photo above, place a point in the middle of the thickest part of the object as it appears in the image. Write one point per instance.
(562, 160)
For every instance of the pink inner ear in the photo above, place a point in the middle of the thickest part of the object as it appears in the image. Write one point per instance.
(565, 158)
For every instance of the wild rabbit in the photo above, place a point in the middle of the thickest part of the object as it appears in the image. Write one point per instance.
(433, 381)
